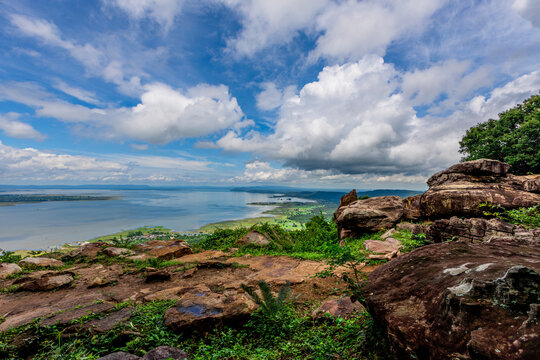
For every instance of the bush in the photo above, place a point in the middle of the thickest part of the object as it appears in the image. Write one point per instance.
(526, 217)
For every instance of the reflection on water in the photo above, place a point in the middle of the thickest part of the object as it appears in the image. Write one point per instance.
(40, 225)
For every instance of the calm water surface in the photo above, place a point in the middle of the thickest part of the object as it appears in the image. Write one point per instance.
(41, 225)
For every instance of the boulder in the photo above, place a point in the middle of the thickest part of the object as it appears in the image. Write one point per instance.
(166, 249)
(44, 280)
(7, 269)
(413, 228)
(385, 247)
(89, 251)
(411, 208)
(469, 169)
(474, 230)
(40, 261)
(203, 309)
(119, 355)
(348, 198)
(370, 215)
(157, 275)
(115, 251)
(460, 301)
(343, 308)
(165, 353)
(253, 238)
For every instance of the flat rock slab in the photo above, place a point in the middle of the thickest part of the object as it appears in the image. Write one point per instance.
(115, 251)
(343, 308)
(459, 300)
(40, 261)
(66, 317)
(166, 249)
(388, 246)
(164, 353)
(44, 280)
(109, 322)
(7, 269)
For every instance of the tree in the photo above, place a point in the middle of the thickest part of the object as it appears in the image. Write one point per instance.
(513, 138)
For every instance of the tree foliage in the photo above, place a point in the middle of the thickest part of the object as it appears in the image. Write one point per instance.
(513, 138)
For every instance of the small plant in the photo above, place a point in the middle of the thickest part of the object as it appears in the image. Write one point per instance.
(270, 305)
(123, 242)
(9, 257)
(526, 217)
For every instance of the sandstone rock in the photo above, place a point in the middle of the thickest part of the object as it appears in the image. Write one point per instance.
(119, 355)
(343, 308)
(89, 251)
(477, 230)
(459, 300)
(164, 353)
(139, 257)
(45, 280)
(205, 309)
(7, 269)
(40, 261)
(109, 322)
(166, 249)
(413, 228)
(253, 238)
(64, 318)
(158, 275)
(348, 198)
(480, 167)
(388, 234)
(411, 208)
(370, 215)
(388, 246)
(114, 251)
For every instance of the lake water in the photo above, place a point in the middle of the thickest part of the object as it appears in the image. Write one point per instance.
(41, 225)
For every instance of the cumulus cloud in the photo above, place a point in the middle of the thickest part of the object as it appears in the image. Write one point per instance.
(13, 127)
(344, 29)
(355, 119)
(528, 9)
(270, 97)
(163, 114)
(161, 11)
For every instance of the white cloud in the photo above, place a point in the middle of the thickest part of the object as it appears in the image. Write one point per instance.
(270, 97)
(528, 9)
(346, 29)
(161, 11)
(354, 119)
(81, 94)
(13, 127)
(140, 147)
(163, 114)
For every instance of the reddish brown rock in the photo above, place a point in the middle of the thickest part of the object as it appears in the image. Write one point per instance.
(65, 317)
(40, 262)
(165, 353)
(370, 215)
(115, 251)
(388, 246)
(459, 301)
(411, 208)
(166, 249)
(253, 238)
(109, 322)
(7, 269)
(413, 228)
(157, 275)
(343, 308)
(89, 251)
(348, 198)
(199, 309)
(44, 280)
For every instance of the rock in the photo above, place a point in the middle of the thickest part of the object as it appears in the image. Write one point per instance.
(388, 246)
(65, 317)
(204, 309)
(40, 261)
(413, 228)
(7, 269)
(388, 234)
(253, 238)
(164, 353)
(480, 167)
(343, 308)
(158, 275)
(139, 257)
(119, 355)
(114, 251)
(411, 208)
(370, 215)
(477, 230)
(459, 300)
(166, 249)
(44, 280)
(103, 276)
(349, 198)
(109, 322)
(89, 251)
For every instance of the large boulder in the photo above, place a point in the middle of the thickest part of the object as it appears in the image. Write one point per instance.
(202, 309)
(253, 238)
(40, 262)
(460, 301)
(7, 269)
(45, 280)
(348, 198)
(370, 215)
(166, 249)
(460, 189)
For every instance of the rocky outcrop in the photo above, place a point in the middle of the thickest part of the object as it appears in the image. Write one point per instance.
(348, 198)
(460, 301)
(115, 251)
(166, 249)
(413, 228)
(40, 262)
(383, 250)
(200, 308)
(88, 251)
(478, 230)
(370, 215)
(253, 238)
(44, 280)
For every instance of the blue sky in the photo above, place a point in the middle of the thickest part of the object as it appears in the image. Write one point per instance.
(311, 93)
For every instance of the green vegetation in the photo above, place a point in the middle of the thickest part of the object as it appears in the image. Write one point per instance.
(13, 199)
(513, 138)
(9, 257)
(526, 217)
(409, 240)
(270, 306)
(159, 232)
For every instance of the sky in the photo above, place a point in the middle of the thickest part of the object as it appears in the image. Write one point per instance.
(305, 93)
